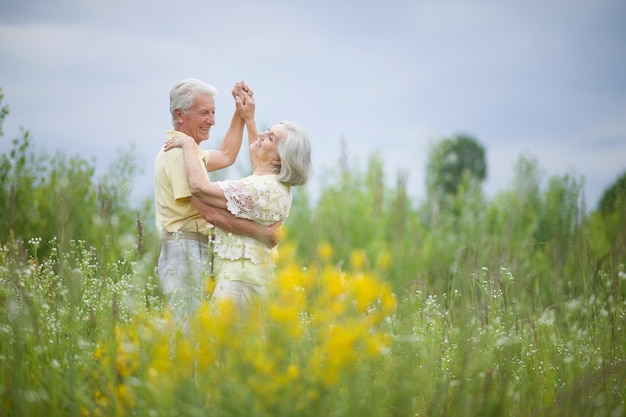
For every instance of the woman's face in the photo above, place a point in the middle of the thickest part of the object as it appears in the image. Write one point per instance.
(266, 146)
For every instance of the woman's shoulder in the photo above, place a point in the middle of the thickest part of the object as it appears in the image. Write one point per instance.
(270, 179)
(275, 182)
(260, 183)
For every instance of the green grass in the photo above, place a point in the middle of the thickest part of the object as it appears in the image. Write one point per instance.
(484, 346)
(459, 305)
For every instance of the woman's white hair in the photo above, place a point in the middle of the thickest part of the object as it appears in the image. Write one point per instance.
(184, 92)
(295, 155)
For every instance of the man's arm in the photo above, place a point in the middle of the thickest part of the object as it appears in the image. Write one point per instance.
(268, 235)
(226, 155)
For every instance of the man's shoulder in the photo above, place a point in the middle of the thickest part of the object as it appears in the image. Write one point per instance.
(169, 156)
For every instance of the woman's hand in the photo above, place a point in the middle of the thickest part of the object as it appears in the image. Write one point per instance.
(175, 142)
(245, 106)
(243, 91)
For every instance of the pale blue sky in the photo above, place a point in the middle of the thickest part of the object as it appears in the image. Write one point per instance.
(541, 78)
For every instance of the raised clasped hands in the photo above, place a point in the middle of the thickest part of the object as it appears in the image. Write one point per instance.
(244, 100)
(242, 90)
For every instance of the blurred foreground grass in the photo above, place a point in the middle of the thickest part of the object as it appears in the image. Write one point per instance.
(335, 341)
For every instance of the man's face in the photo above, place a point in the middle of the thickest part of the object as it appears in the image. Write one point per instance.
(197, 121)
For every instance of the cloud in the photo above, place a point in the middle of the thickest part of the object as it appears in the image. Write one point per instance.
(389, 78)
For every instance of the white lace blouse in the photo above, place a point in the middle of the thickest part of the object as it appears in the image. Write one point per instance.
(261, 198)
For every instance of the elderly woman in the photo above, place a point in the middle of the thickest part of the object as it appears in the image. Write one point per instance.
(281, 158)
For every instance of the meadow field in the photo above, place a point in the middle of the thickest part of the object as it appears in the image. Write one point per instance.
(510, 305)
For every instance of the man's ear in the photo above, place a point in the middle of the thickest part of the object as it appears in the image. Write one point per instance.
(178, 115)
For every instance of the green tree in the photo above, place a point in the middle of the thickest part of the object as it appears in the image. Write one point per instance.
(609, 221)
(4, 111)
(614, 198)
(450, 160)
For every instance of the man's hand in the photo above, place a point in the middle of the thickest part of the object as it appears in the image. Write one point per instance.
(222, 218)
(243, 91)
(244, 101)
(272, 235)
(245, 107)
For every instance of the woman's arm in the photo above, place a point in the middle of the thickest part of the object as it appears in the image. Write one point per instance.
(199, 184)
(210, 202)
(253, 133)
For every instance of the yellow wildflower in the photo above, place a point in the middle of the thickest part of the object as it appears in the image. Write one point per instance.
(358, 259)
(325, 251)
(384, 260)
(293, 372)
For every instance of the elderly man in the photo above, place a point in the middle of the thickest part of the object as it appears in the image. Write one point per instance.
(184, 222)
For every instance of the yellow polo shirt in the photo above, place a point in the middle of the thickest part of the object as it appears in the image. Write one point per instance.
(174, 211)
